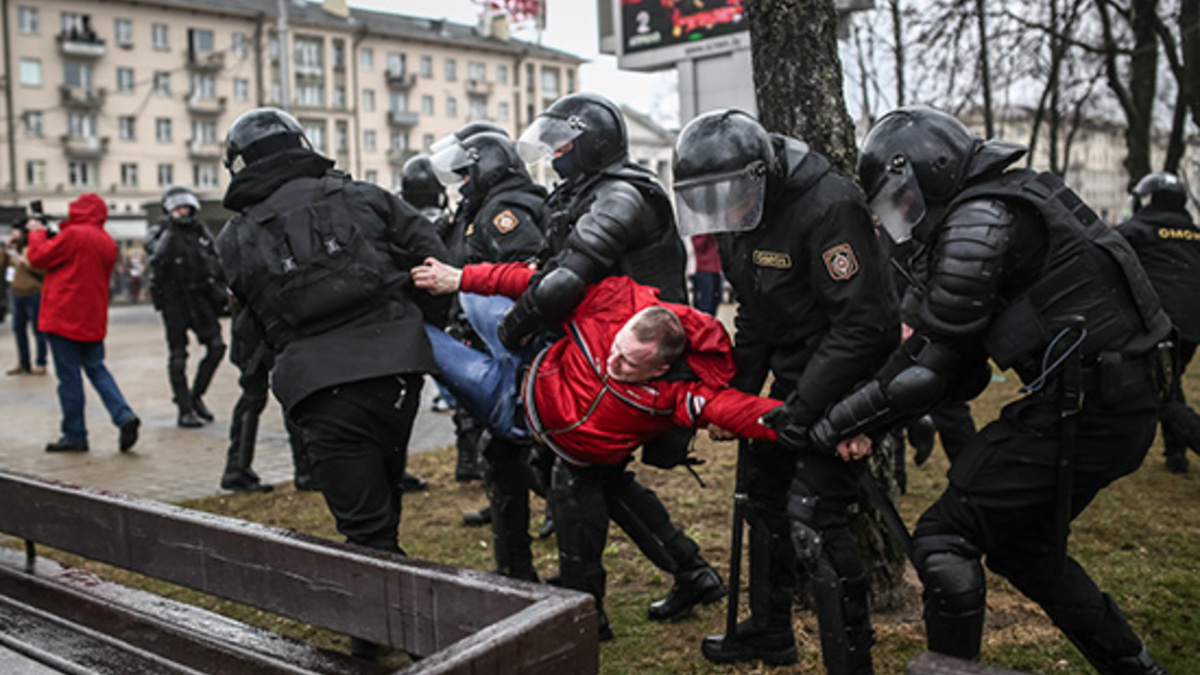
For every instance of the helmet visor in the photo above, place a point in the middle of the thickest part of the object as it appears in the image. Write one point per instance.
(726, 202)
(445, 160)
(545, 136)
(897, 200)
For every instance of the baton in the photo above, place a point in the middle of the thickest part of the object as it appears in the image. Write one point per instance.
(740, 501)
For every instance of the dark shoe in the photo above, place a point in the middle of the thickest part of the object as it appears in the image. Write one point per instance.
(605, 631)
(189, 420)
(478, 518)
(201, 410)
(129, 434)
(18, 370)
(410, 483)
(699, 586)
(63, 445)
(304, 483)
(1177, 463)
(772, 646)
(243, 484)
(921, 434)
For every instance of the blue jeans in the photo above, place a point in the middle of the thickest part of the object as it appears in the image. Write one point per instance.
(25, 314)
(485, 383)
(706, 287)
(70, 357)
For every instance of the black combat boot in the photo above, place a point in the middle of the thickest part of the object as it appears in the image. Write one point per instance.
(773, 643)
(701, 585)
(188, 420)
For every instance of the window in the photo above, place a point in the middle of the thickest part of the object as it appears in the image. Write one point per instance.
(426, 66)
(159, 37)
(426, 105)
(341, 135)
(31, 72)
(200, 41)
(570, 82)
(238, 47)
(129, 174)
(369, 140)
(35, 172)
(309, 55)
(371, 176)
(338, 56)
(502, 111)
(241, 89)
(205, 175)
(451, 69)
(77, 26)
(395, 63)
(477, 109)
(339, 96)
(82, 174)
(203, 86)
(366, 59)
(123, 32)
(204, 131)
(166, 174)
(81, 125)
(315, 131)
(398, 101)
(78, 75)
(399, 141)
(162, 82)
(27, 20)
(127, 128)
(477, 71)
(162, 129)
(369, 100)
(276, 92)
(451, 107)
(397, 180)
(550, 87)
(125, 80)
(310, 94)
(34, 123)
(501, 74)
(427, 142)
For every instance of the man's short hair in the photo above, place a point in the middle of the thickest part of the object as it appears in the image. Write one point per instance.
(659, 325)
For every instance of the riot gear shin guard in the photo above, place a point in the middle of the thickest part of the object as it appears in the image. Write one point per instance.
(508, 496)
(215, 351)
(955, 598)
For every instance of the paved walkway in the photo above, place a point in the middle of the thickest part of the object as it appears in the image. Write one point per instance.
(168, 463)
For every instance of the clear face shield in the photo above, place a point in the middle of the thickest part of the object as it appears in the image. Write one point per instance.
(546, 135)
(444, 157)
(726, 202)
(897, 200)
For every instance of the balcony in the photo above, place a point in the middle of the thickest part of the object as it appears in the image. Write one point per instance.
(398, 157)
(403, 118)
(206, 62)
(400, 80)
(80, 98)
(205, 105)
(80, 44)
(203, 150)
(479, 88)
(84, 147)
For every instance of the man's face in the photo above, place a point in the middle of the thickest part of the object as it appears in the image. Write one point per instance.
(180, 212)
(630, 360)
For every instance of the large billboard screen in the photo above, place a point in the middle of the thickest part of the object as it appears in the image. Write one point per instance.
(652, 24)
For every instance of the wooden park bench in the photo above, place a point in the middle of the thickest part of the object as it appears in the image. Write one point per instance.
(454, 620)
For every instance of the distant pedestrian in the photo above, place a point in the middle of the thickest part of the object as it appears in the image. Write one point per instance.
(706, 280)
(26, 288)
(74, 316)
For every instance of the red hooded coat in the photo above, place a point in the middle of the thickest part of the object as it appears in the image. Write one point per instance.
(78, 262)
(586, 417)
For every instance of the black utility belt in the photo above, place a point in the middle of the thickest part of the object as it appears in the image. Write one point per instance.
(1111, 378)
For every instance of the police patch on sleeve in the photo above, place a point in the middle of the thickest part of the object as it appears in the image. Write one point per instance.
(505, 221)
(840, 262)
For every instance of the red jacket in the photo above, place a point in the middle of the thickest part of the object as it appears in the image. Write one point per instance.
(589, 419)
(77, 262)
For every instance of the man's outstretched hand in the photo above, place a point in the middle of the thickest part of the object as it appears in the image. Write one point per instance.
(436, 276)
(797, 437)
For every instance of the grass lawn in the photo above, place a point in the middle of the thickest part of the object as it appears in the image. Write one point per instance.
(1140, 540)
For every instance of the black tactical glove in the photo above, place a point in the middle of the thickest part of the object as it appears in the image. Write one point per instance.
(792, 435)
(520, 321)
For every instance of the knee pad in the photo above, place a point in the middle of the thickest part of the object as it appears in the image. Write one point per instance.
(177, 358)
(216, 348)
(806, 540)
(954, 583)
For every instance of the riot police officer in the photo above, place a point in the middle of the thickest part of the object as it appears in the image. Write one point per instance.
(1167, 243)
(500, 220)
(188, 291)
(321, 262)
(817, 311)
(1020, 270)
(608, 216)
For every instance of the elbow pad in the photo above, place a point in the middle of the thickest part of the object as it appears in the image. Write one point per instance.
(878, 405)
(552, 299)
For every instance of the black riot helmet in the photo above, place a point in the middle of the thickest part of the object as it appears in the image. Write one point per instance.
(1159, 190)
(912, 157)
(419, 184)
(179, 195)
(260, 133)
(721, 162)
(443, 152)
(592, 122)
(486, 159)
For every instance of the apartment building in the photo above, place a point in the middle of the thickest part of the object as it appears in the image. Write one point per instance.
(124, 97)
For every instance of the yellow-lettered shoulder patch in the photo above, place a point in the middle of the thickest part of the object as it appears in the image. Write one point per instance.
(840, 262)
(777, 259)
(505, 221)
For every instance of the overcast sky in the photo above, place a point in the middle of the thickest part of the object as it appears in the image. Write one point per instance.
(571, 27)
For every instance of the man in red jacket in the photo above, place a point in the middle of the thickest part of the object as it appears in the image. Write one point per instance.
(74, 316)
(630, 367)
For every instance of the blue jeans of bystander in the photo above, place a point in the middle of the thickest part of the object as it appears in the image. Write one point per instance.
(71, 359)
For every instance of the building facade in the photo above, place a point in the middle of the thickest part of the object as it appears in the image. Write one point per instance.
(126, 97)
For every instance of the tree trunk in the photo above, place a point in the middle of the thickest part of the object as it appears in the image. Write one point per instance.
(798, 85)
(898, 51)
(985, 71)
(1189, 31)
